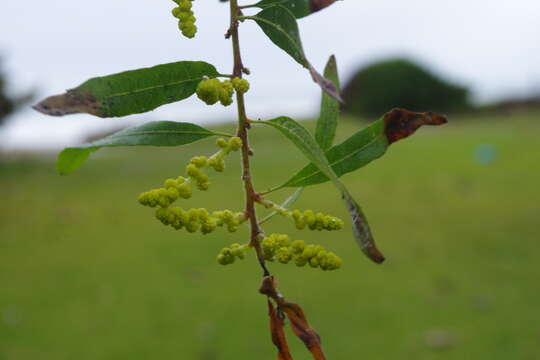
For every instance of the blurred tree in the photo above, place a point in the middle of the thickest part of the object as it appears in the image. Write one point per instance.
(8, 104)
(398, 82)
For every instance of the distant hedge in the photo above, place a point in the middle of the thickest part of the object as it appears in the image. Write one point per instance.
(384, 85)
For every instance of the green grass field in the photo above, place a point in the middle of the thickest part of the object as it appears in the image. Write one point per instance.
(86, 273)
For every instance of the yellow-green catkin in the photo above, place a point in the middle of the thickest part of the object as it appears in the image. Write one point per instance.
(229, 255)
(194, 220)
(318, 221)
(186, 18)
(279, 247)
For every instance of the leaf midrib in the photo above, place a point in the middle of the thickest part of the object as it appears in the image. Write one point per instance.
(281, 30)
(136, 91)
(340, 160)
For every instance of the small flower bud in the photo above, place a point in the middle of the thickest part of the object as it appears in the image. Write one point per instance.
(176, 12)
(208, 91)
(199, 161)
(300, 261)
(314, 262)
(170, 183)
(192, 226)
(184, 191)
(221, 142)
(193, 171)
(298, 246)
(240, 85)
(185, 5)
(284, 255)
(235, 143)
(208, 226)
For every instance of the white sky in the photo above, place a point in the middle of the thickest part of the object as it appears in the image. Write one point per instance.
(491, 45)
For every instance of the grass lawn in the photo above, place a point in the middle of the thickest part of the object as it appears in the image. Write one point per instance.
(86, 273)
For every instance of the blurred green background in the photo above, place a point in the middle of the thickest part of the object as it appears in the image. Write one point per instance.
(87, 273)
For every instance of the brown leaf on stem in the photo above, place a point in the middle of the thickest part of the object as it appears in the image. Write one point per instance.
(294, 312)
(316, 5)
(269, 288)
(278, 333)
(401, 123)
(301, 328)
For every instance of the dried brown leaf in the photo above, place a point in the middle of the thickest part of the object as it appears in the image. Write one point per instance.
(301, 328)
(316, 5)
(278, 333)
(402, 123)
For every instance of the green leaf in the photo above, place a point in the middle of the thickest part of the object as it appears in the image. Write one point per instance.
(159, 133)
(357, 151)
(303, 140)
(328, 118)
(366, 145)
(130, 92)
(279, 24)
(299, 8)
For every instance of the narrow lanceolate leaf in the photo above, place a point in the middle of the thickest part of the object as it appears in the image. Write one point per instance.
(159, 133)
(278, 334)
(130, 92)
(328, 118)
(366, 145)
(303, 140)
(299, 8)
(279, 24)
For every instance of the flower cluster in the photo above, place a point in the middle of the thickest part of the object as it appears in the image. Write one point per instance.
(228, 255)
(216, 161)
(279, 247)
(213, 90)
(318, 221)
(180, 187)
(186, 18)
(194, 220)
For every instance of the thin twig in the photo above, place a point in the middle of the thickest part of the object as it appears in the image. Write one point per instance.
(242, 133)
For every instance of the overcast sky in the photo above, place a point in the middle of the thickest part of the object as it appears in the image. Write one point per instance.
(493, 46)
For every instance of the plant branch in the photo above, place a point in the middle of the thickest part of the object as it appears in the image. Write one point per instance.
(242, 133)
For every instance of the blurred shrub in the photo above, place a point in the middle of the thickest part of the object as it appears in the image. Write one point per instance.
(391, 83)
(7, 105)
(10, 104)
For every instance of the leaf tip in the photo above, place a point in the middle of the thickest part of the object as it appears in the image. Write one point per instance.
(72, 102)
(402, 123)
(46, 108)
(376, 256)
